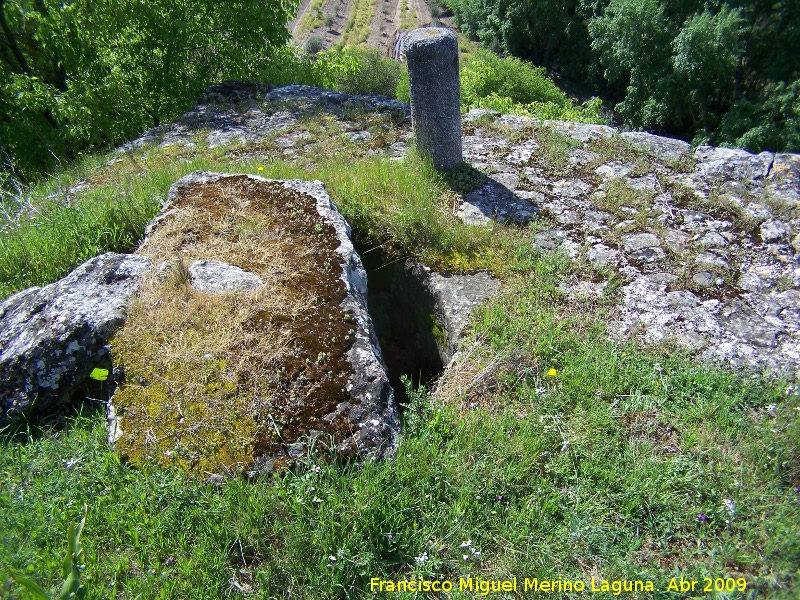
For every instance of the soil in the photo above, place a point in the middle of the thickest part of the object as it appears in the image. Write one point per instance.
(385, 24)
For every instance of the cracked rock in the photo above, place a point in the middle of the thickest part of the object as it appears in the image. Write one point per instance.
(53, 337)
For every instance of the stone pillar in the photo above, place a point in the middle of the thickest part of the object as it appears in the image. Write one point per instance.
(432, 55)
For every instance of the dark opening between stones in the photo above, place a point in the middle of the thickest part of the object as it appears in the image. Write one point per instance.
(402, 314)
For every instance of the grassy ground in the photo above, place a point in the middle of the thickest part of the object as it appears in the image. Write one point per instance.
(357, 29)
(547, 451)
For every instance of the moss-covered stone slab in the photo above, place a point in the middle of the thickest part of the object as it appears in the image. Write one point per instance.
(251, 379)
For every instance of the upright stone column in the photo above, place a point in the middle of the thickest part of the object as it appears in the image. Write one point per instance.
(432, 55)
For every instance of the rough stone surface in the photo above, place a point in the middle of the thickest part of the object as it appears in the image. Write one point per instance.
(717, 223)
(706, 209)
(639, 241)
(53, 337)
(372, 410)
(732, 163)
(660, 147)
(582, 132)
(432, 56)
(454, 297)
(236, 113)
(494, 201)
(216, 277)
(368, 413)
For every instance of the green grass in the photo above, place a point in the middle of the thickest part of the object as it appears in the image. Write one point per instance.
(629, 462)
(59, 229)
(403, 205)
(357, 28)
(514, 86)
(557, 480)
(311, 20)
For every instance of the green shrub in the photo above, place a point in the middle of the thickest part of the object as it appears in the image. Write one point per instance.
(770, 123)
(403, 92)
(511, 85)
(87, 74)
(485, 73)
(313, 44)
(373, 74)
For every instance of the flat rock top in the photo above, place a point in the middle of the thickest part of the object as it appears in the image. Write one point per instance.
(239, 352)
(706, 242)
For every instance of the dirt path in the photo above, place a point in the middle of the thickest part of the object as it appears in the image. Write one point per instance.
(301, 11)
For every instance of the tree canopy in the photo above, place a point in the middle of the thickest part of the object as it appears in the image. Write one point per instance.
(724, 71)
(89, 73)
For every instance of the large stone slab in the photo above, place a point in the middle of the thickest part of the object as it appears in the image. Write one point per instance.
(277, 359)
(51, 338)
(663, 148)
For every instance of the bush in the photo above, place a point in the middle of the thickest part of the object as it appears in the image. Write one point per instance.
(770, 123)
(372, 75)
(485, 73)
(313, 44)
(511, 85)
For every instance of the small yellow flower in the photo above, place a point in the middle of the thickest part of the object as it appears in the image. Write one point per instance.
(260, 168)
(552, 372)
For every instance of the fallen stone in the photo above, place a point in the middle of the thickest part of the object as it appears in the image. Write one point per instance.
(359, 137)
(666, 149)
(750, 282)
(53, 337)
(216, 277)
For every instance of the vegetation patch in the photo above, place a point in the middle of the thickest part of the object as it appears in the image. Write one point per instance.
(357, 29)
(216, 381)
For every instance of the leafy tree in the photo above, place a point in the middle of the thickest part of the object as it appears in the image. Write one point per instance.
(707, 62)
(83, 73)
(721, 70)
(770, 121)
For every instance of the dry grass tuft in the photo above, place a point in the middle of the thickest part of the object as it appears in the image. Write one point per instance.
(476, 372)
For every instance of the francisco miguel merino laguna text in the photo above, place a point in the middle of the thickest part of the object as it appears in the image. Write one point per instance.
(488, 586)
